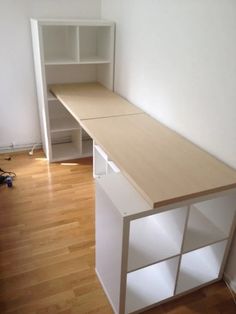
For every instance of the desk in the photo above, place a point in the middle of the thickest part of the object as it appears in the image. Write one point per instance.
(165, 222)
(162, 165)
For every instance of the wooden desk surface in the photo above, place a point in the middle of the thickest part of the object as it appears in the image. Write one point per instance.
(92, 101)
(162, 165)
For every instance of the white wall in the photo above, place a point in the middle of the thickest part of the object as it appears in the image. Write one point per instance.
(177, 60)
(19, 121)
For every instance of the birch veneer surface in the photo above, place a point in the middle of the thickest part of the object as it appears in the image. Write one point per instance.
(164, 166)
(92, 100)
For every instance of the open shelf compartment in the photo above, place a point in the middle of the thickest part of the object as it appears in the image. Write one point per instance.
(60, 118)
(156, 237)
(63, 124)
(142, 262)
(95, 44)
(209, 222)
(60, 44)
(200, 266)
(151, 285)
(66, 145)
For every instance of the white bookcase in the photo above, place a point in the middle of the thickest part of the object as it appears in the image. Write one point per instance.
(69, 51)
(146, 256)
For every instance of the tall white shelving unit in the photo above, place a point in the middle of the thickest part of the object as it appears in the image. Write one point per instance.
(145, 256)
(68, 51)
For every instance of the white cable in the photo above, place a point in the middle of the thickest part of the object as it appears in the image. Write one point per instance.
(32, 150)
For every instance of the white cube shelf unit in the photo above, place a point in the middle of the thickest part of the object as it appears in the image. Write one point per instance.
(146, 256)
(69, 51)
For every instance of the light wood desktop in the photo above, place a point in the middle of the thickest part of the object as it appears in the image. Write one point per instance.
(92, 101)
(162, 165)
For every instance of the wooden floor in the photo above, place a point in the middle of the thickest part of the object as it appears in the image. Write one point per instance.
(47, 245)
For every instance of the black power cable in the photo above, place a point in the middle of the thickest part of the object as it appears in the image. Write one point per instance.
(6, 177)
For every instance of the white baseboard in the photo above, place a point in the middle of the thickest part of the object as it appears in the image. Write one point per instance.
(58, 139)
(230, 282)
(17, 148)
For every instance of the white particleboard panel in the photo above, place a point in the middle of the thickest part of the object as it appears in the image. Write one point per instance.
(124, 196)
(109, 246)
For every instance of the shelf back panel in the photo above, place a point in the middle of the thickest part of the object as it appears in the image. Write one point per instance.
(60, 43)
(63, 74)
